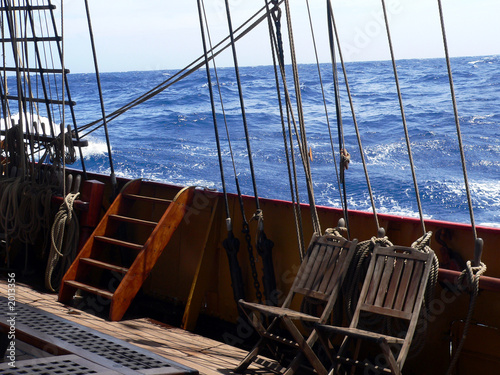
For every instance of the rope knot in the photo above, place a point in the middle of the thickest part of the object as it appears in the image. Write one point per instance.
(345, 159)
(470, 276)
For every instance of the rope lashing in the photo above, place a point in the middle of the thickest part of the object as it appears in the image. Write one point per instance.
(64, 240)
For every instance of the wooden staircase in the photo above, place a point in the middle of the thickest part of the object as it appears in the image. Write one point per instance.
(112, 266)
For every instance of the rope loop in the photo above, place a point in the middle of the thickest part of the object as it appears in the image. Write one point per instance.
(276, 12)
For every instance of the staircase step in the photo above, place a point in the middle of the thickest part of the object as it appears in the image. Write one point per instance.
(91, 289)
(107, 266)
(145, 198)
(133, 220)
(114, 241)
(146, 255)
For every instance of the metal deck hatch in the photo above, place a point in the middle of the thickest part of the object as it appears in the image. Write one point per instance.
(91, 345)
(60, 365)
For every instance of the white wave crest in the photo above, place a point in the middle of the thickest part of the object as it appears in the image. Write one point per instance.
(28, 120)
(96, 147)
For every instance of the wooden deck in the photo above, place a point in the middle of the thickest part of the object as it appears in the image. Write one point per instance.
(208, 356)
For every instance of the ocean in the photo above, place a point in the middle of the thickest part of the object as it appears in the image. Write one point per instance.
(170, 138)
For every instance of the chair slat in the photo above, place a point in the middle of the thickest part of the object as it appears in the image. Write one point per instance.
(325, 267)
(321, 259)
(414, 286)
(403, 285)
(384, 282)
(375, 280)
(386, 311)
(393, 286)
(340, 264)
(306, 268)
(332, 266)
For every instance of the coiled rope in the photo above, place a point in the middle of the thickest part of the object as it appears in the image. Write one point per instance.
(24, 209)
(65, 236)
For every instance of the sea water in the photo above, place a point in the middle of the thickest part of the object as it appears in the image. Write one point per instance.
(170, 138)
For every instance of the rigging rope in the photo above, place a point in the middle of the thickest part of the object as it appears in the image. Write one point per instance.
(357, 271)
(258, 212)
(231, 243)
(212, 104)
(277, 49)
(344, 155)
(101, 99)
(242, 105)
(327, 117)
(302, 134)
(242, 30)
(66, 85)
(457, 121)
(63, 124)
(403, 117)
(351, 103)
(474, 270)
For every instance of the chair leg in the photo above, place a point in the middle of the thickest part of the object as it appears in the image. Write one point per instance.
(306, 349)
(393, 365)
(242, 367)
(294, 365)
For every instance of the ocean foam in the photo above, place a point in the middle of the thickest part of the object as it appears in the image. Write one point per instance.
(96, 147)
(29, 127)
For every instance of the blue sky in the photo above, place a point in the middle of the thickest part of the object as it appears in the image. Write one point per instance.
(164, 34)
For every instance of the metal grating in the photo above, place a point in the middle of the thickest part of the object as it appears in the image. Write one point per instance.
(119, 352)
(63, 365)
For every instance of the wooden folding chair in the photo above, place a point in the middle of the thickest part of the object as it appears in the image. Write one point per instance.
(393, 290)
(319, 278)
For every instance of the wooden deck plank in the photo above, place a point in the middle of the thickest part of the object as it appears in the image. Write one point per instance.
(208, 356)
